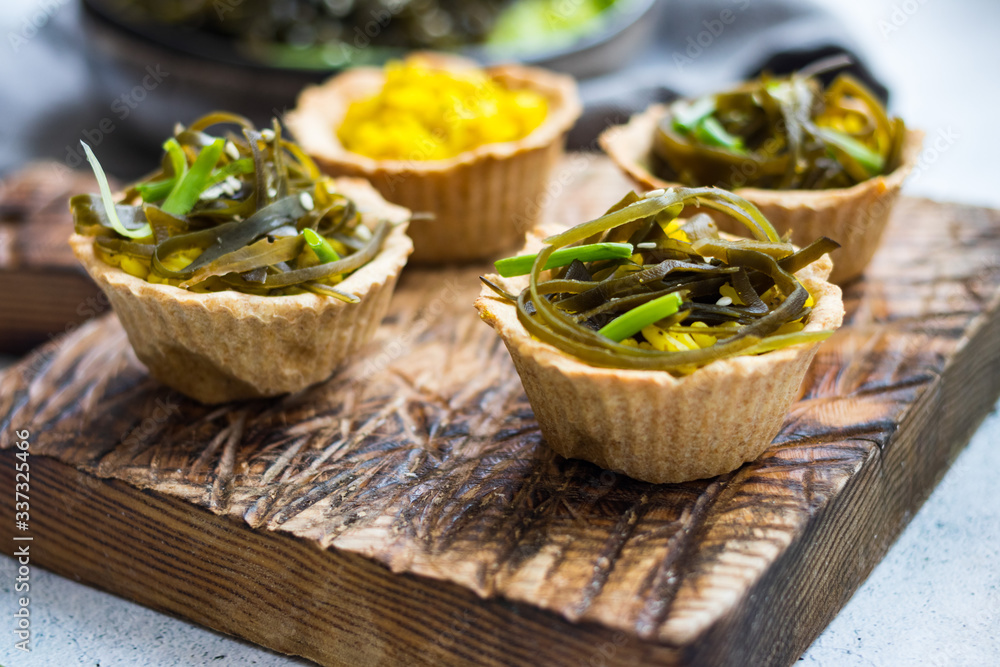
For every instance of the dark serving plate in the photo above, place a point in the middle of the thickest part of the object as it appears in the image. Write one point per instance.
(611, 35)
(199, 72)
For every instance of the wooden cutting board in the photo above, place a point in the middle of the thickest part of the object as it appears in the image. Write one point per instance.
(408, 511)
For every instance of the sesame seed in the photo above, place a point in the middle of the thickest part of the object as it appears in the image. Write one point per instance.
(306, 200)
(655, 193)
(267, 135)
(231, 150)
(211, 193)
(724, 301)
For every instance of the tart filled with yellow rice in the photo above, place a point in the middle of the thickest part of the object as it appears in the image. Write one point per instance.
(471, 147)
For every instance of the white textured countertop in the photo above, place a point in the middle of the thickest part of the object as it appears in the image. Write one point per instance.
(934, 600)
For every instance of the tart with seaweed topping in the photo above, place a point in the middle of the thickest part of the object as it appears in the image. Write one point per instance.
(237, 269)
(816, 161)
(650, 344)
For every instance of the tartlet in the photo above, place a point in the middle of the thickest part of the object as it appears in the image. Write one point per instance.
(483, 200)
(654, 425)
(855, 216)
(237, 269)
(223, 346)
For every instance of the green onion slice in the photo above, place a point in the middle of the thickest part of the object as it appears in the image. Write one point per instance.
(634, 320)
(109, 202)
(320, 246)
(521, 265)
(187, 190)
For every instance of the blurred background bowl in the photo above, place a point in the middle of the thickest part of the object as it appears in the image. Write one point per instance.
(200, 70)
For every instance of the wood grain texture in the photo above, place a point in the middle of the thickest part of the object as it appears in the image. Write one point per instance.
(45, 291)
(407, 511)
